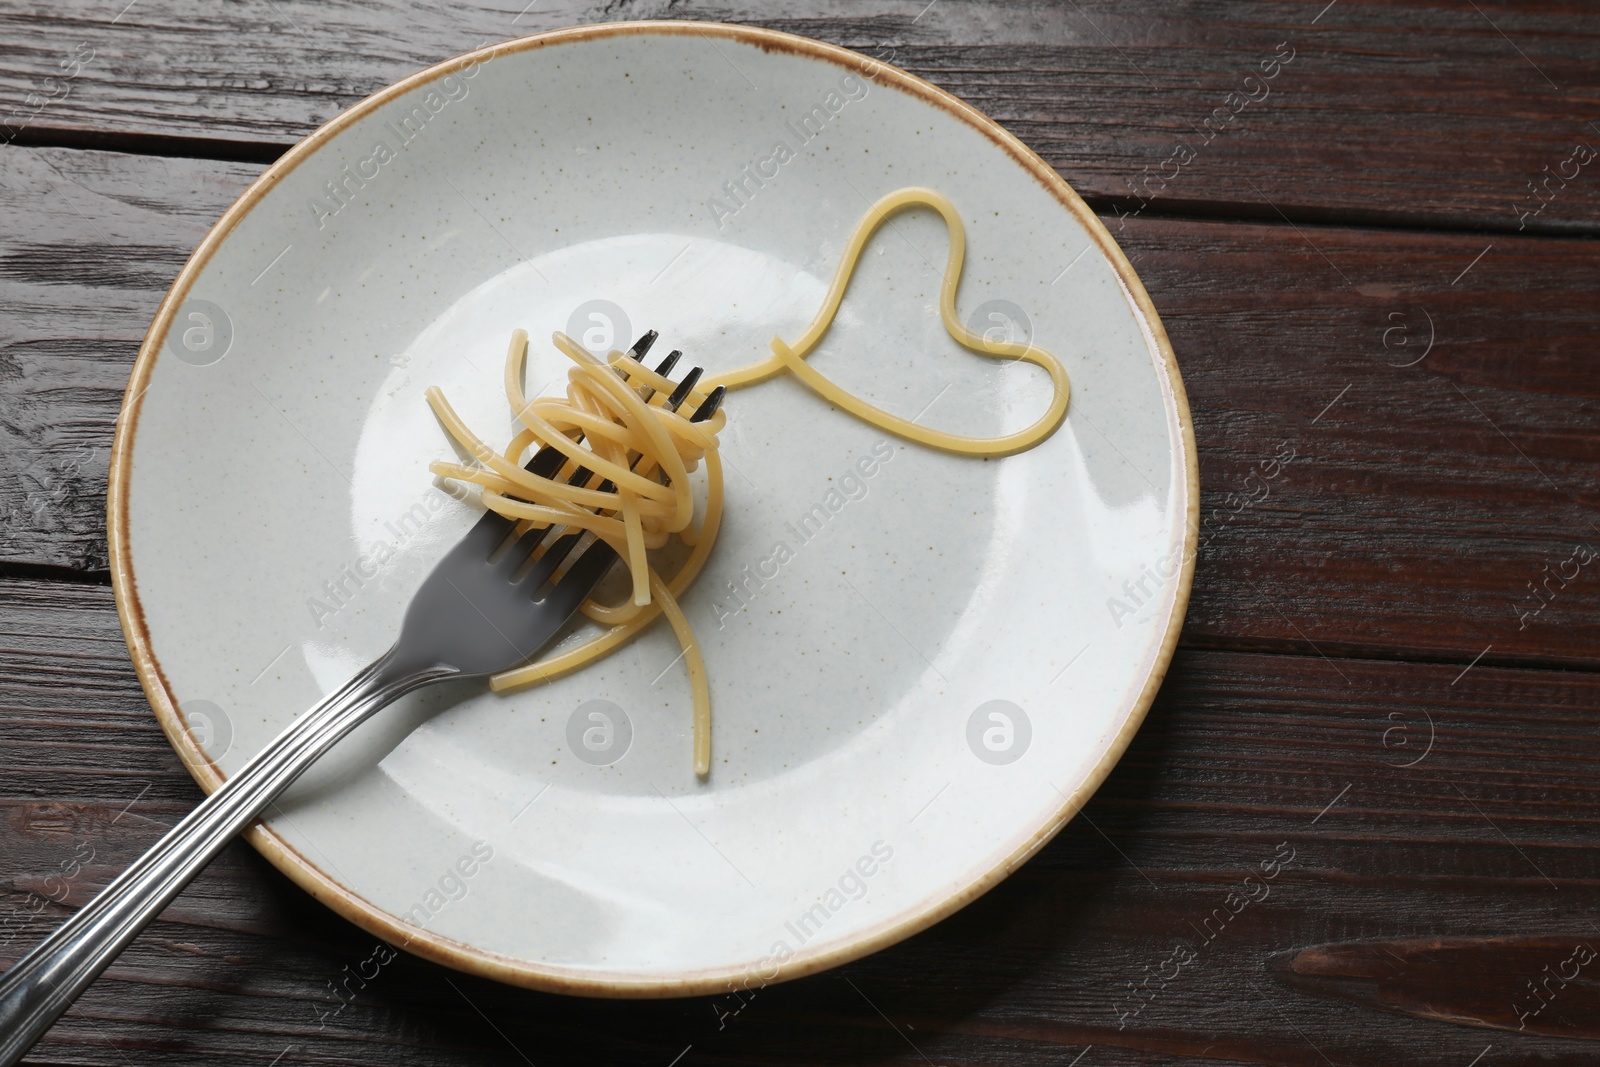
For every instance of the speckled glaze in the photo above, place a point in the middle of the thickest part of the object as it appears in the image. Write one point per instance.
(911, 696)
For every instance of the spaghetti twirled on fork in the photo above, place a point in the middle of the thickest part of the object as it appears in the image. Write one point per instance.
(628, 460)
(625, 479)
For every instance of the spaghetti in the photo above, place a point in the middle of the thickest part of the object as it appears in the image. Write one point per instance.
(641, 453)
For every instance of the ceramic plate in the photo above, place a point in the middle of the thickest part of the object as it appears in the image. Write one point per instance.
(912, 694)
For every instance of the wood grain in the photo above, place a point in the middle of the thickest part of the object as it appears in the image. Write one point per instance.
(1463, 980)
(1245, 758)
(1430, 509)
(1434, 501)
(1437, 112)
(89, 243)
(1390, 669)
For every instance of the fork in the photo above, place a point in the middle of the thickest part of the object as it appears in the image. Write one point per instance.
(489, 605)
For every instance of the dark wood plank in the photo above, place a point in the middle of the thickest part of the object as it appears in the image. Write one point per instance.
(1438, 496)
(1461, 979)
(1441, 111)
(88, 245)
(1429, 510)
(1245, 759)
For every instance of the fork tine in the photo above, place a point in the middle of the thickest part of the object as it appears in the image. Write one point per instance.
(519, 553)
(598, 557)
(663, 368)
(546, 565)
(642, 345)
(545, 462)
(709, 407)
(685, 387)
(491, 529)
(486, 534)
(580, 579)
(592, 565)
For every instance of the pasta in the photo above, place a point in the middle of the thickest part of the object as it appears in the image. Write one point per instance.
(792, 357)
(641, 503)
(632, 510)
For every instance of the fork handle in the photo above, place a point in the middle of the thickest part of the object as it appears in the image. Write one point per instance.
(40, 986)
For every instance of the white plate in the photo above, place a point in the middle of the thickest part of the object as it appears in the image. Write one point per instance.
(271, 512)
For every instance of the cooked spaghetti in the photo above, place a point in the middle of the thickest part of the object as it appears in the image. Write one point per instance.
(637, 505)
(640, 455)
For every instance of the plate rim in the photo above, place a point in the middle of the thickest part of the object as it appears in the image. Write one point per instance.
(552, 978)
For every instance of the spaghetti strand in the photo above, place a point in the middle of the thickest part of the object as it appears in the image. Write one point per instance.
(791, 357)
(646, 453)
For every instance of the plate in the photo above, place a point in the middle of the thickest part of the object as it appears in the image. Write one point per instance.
(911, 696)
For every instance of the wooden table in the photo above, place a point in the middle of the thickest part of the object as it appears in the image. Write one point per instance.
(1382, 258)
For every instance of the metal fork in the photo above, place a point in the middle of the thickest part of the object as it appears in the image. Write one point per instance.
(482, 610)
